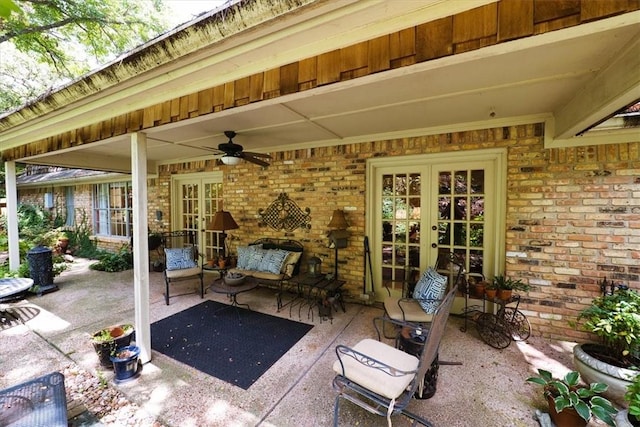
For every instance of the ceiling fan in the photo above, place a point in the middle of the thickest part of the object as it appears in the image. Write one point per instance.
(233, 152)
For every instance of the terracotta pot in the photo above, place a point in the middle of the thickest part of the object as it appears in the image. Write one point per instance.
(568, 417)
(505, 294)
(477, 290)
(490, 293)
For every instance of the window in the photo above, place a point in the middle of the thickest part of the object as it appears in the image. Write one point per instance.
(70, 220)
(112, 215)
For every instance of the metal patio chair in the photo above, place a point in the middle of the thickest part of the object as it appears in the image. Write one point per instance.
(383, 379)
(405, 308)
(181, 260)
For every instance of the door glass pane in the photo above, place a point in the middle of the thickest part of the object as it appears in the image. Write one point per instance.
(461, 215)
(400, 224)
(414, 184)
(212, 203)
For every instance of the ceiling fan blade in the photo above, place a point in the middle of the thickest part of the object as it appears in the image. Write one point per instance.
(254, 160)
(263, 155)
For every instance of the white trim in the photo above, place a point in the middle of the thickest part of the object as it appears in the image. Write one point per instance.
(594, 137)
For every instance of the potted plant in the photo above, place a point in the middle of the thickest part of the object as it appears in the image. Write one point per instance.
(572, 404)
(615, 319)
(507, 285)
(106, 341)
(491, 290)
(630, 417)
(125, 363)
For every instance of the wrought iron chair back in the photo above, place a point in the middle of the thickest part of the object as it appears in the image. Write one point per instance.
(177, 240)
(381, 378)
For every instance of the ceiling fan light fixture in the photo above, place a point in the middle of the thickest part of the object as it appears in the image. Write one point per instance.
(230, 160)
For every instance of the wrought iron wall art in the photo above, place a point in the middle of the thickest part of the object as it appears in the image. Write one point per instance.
(284, 214)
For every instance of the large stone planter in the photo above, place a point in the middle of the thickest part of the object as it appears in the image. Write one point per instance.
(595, 370)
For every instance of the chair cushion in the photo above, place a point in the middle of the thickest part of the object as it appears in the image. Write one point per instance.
(406, 309)
(261, 275)
(430, 289)
(179, 258)
(184, 272)
(374, 379)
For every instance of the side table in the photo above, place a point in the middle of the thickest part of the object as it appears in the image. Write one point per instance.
(220, 287)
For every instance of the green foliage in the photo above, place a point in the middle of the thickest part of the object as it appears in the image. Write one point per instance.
(616, 319)
(80, 239)
(633, 397)
(64, 39)
(110, 262)
(6, 7)
(503, 282)
(568, 392)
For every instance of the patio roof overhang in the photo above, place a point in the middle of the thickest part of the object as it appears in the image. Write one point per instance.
(569, 78)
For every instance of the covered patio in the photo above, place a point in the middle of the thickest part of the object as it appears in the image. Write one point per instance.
(487, 389)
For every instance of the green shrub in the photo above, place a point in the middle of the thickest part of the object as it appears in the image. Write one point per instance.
(112, 262)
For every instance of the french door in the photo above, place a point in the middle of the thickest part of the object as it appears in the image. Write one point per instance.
(427, 205)
(195, 200)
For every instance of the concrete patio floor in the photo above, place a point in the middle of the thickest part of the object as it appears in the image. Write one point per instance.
(488, 389)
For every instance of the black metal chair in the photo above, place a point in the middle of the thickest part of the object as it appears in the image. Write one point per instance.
(383, 379)
(181, 260)
(405, 308)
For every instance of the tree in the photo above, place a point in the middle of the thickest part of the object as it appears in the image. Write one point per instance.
(44, 43)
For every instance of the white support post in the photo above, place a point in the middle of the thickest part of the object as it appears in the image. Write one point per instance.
(140, 244)
(12, 214)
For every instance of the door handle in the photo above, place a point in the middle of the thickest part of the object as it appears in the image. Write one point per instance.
(433, 245)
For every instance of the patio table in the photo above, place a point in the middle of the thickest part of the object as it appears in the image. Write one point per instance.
(38, 402)
(10, 289)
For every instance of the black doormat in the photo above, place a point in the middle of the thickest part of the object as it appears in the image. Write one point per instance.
(219, 344)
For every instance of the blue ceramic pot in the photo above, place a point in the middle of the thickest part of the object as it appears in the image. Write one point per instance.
(125, 363)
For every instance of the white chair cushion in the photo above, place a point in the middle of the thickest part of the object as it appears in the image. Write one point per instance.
(408, 310)
(185, 272)
(374, 379)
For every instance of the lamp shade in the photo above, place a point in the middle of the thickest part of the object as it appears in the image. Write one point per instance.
(222, 221)
(338, 221)
(230, 160)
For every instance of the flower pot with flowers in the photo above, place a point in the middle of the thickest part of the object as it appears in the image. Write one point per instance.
(572, 403)
(615, 360)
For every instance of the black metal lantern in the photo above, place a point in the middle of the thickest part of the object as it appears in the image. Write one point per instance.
(314, 266)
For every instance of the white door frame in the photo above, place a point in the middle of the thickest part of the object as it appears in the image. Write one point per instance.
(496, 155)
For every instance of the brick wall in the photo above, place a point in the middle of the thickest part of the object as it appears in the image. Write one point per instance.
(573, 214)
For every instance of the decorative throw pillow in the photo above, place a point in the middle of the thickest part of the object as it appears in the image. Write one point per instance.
(179, 258)
(430, 289)
(255, 258)
(244, 254)
(272, 261)
(291, 260)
